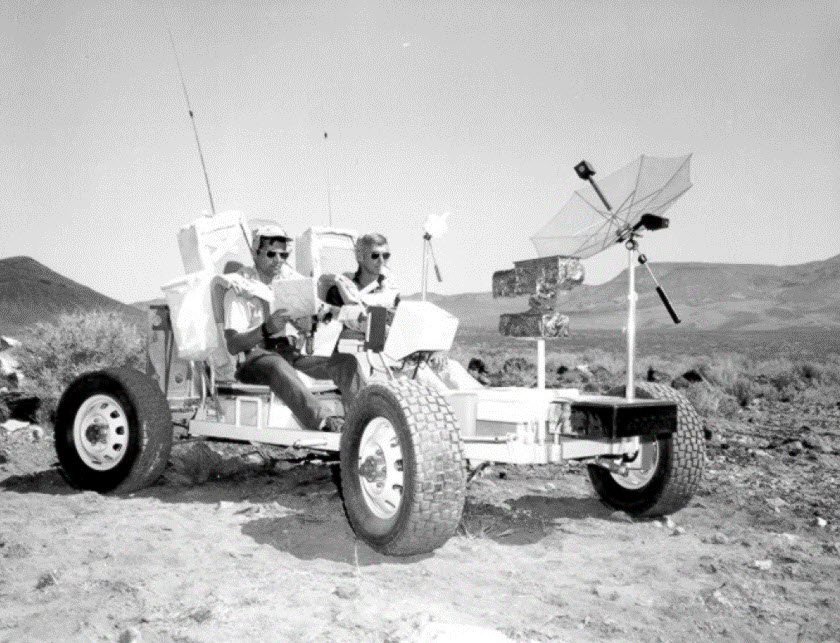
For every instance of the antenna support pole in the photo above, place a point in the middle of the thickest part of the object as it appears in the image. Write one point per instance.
(329, 188)
(632, 248)
(424, 281)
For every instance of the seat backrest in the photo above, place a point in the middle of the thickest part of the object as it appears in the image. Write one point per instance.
(221, 361)
(322, 253)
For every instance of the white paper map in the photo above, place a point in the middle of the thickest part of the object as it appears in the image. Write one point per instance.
(296, 295)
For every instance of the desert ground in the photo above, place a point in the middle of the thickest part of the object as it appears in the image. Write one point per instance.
(236, 543)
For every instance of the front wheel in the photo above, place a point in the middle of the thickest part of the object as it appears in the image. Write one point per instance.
(666, 471)
(403, 474)
(113, 431)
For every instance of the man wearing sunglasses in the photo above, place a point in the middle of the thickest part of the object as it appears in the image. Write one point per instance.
(369, 284)
(260, 339)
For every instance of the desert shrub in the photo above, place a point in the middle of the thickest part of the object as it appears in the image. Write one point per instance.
(743, 391)
(705, 398)
(766, 391)
(604, 362)
(821, 395)
(516, 371)
(52, 355)
(722, 370)
(809, 372)
(657, 365)
(780, 372)
(788, 393)
(830, 374)
(516, 365)
(728, 406)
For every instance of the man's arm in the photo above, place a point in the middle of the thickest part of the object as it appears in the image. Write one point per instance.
(242, 342)
(238, 336)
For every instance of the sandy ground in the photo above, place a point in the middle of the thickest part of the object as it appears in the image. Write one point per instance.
(234, 545)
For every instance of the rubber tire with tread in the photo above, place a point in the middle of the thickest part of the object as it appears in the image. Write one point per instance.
(434, 468)
(679, 469)
(149, 431)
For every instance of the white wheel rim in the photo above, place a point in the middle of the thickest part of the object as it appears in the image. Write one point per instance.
(100, 432)
(381, 468)
(645, 463)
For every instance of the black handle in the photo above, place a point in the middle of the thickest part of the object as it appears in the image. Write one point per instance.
(668, 305)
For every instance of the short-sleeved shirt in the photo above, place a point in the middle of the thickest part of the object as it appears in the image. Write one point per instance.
(245, 312)
(389, 296)
(384, 286)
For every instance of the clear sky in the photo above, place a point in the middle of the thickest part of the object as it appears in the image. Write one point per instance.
(476, 107)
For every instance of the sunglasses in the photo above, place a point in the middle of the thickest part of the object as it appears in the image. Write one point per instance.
(384, 255)
(273, 253)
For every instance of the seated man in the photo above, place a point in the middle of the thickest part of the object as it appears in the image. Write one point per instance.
(265, 355)
(369, 283)
(370, 286)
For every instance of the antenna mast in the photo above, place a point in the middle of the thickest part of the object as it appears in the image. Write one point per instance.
(327, 163)
(192, 120)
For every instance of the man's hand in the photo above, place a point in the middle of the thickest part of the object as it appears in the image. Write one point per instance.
(325, 311)
(276, 321)
(354, 313)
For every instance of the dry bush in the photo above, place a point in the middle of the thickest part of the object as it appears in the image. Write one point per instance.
(809, 372)
(732, 380)
(705, 398)
(779, 372)
(743, 391)
(831, 371)
(516, 371)
(52, 355)
(599, 359)
(723, 370)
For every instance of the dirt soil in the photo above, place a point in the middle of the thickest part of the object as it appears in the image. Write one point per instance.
(240, 544)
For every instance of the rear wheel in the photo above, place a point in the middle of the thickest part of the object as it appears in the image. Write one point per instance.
(403, 473)
(113, 431)
(667, 470)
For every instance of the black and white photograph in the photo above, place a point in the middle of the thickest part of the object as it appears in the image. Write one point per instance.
(420, 322)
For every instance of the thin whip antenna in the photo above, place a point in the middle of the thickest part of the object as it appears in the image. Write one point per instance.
(327, 163)
(192, 119)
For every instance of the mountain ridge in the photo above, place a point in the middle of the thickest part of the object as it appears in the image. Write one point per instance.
(30, 292)
(707, 296)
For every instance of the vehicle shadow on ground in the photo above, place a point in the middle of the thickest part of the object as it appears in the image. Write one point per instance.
(46, 481)
(527, 519)
(295, 505)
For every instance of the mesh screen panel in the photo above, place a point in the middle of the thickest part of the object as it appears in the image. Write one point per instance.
(584, 226)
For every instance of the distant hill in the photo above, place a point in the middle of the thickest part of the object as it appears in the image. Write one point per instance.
(30, 292)
(707, 296)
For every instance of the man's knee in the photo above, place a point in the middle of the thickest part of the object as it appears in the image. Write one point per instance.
(347, 360)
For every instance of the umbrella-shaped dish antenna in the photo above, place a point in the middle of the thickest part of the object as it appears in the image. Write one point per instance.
(586, 225)
(615, 209)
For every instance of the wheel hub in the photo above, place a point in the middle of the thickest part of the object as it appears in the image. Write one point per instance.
(640, 469)
(374, 468)
(100, 432)
(97, 431)
(381, 468)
